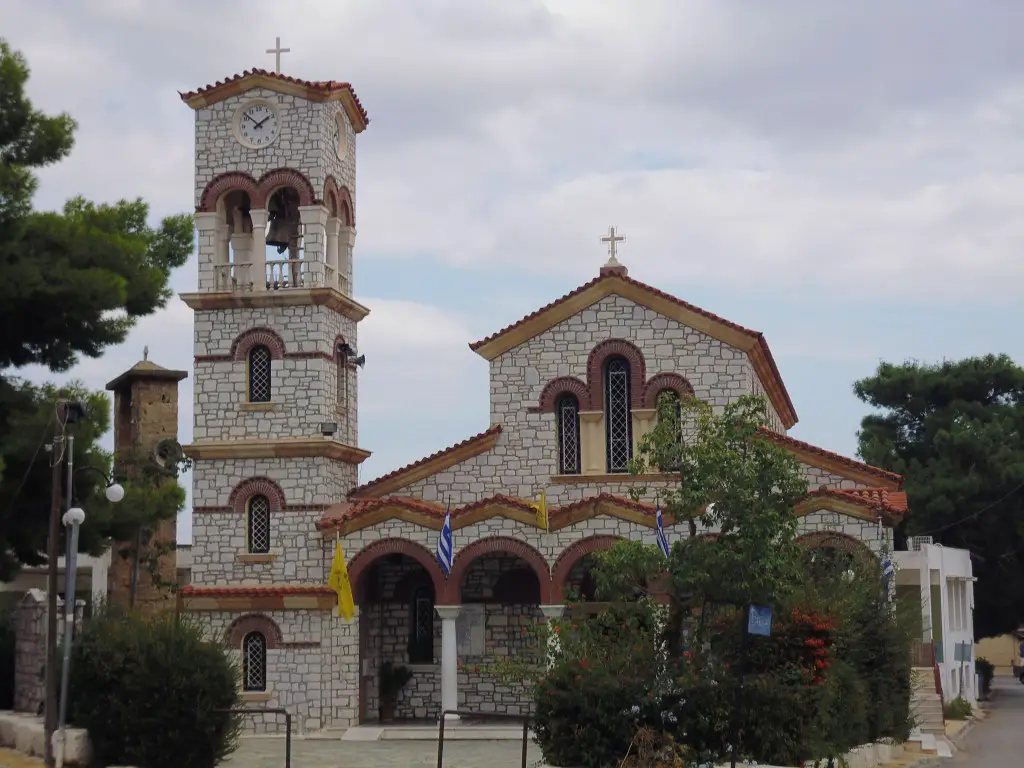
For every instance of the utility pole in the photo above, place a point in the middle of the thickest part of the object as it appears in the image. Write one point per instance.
(52, 553)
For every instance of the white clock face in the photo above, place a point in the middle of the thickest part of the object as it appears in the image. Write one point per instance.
(257, 125)
(338, 136)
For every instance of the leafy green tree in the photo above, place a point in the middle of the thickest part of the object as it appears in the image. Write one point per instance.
(731, 481)
(956, 431)
(71, 283)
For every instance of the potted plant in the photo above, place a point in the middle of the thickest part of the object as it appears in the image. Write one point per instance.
(393, 678)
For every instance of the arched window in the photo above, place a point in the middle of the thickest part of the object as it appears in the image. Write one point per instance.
(342, 365)
(567, 424)
(257, 514)
(618, 416)
(259, 374)
(672, 396)
(421, 627)
(254, 662)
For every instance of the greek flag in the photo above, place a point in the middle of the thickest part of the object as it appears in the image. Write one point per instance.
(662, 538)
(887, 568)
(444, 543)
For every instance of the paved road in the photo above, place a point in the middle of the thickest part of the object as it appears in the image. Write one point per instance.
(315, 753)
(996, 742)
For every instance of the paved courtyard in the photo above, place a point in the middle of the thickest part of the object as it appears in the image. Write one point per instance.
(318, 753)
(996, 741)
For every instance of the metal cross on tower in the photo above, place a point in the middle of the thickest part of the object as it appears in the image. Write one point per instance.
(612, 239)
(277, 50)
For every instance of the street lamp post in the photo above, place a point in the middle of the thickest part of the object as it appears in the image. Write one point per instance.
(73, 520)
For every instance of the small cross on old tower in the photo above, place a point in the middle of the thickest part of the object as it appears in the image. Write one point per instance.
(612, 239)
(277, 50)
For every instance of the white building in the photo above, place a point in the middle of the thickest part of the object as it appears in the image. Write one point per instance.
(941, 580)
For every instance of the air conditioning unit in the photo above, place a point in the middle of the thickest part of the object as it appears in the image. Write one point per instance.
(916, 542)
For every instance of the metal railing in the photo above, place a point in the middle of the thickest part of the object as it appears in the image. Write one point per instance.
(525, 719)
(271, 711)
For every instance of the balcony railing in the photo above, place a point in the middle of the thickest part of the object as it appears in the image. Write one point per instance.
(281, 275)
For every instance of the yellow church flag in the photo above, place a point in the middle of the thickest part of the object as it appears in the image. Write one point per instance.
(542, 511)
(338, 581)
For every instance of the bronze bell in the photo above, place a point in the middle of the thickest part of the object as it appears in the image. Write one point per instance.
(284, 232)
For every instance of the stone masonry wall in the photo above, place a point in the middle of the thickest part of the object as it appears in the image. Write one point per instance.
(303, 142)
(866, 532)
(304, 389)
(299, 674)
(219, 531)
(30, 648)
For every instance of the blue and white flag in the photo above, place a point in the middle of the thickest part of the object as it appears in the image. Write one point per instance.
(887, 568)
(662, 538)
(444, 543)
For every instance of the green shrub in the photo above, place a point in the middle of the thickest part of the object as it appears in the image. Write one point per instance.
(987, 670)
(6, 659)
(958, 709)
(148, 690)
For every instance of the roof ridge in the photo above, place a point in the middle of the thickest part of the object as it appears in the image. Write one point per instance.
(811, 448)
(494, 429)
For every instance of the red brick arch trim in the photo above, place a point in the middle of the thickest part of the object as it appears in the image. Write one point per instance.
(572, 555)
(224, 183)
(330, 198)
(835, 540)
(346, 208)
(272, 181)
(662, 381)
(595, 370)
(254, 337)
(561, 386)
(256, 486)
(366, 557)
(495, 544)
(253, 622)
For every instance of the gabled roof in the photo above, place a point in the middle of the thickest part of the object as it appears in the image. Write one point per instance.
(425, 467)
(354, 515)
(311, 90)
(617, 281)
(836, 463)
(865, 503)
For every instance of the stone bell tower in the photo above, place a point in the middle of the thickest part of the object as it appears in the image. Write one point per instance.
(276, 351)
(145, 413)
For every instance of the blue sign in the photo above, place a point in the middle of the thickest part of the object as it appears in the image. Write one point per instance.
(760, 621)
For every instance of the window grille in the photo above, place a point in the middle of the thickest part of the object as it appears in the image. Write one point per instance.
(421, 635)
(254, 662)
(258, 524)
(567, 413)
(618, 415)
(259, 375)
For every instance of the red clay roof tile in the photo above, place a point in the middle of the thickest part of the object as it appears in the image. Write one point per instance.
(800, 445)
(491, 431)
(325, 87)
(254, 590)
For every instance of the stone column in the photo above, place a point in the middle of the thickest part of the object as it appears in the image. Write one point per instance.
(258, 270)
(347, 244)
(314, 236)
(592, 444)
(242, 269)
(334, 273)
(551, 613)
(449, 657)
(206, 223)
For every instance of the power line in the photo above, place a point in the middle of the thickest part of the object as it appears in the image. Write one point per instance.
(28, 470)
(973, 515)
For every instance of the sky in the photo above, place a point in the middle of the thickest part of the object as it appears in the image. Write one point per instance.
(846, 177)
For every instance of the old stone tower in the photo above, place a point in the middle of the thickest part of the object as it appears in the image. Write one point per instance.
(145, 413)
(276, 357)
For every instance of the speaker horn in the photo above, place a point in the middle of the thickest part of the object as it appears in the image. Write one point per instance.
(167, 453)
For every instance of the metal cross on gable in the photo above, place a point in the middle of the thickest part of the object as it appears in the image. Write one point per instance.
(612, 239)
(277, 50)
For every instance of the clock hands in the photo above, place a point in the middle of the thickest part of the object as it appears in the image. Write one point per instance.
(261, 122)
(253, 119)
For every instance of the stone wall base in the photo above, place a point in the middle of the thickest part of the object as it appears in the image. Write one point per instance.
(24, 733)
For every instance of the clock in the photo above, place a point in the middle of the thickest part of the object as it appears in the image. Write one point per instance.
(257, 124)
(338, 135)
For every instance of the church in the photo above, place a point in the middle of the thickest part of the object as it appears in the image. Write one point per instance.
(276, 447)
